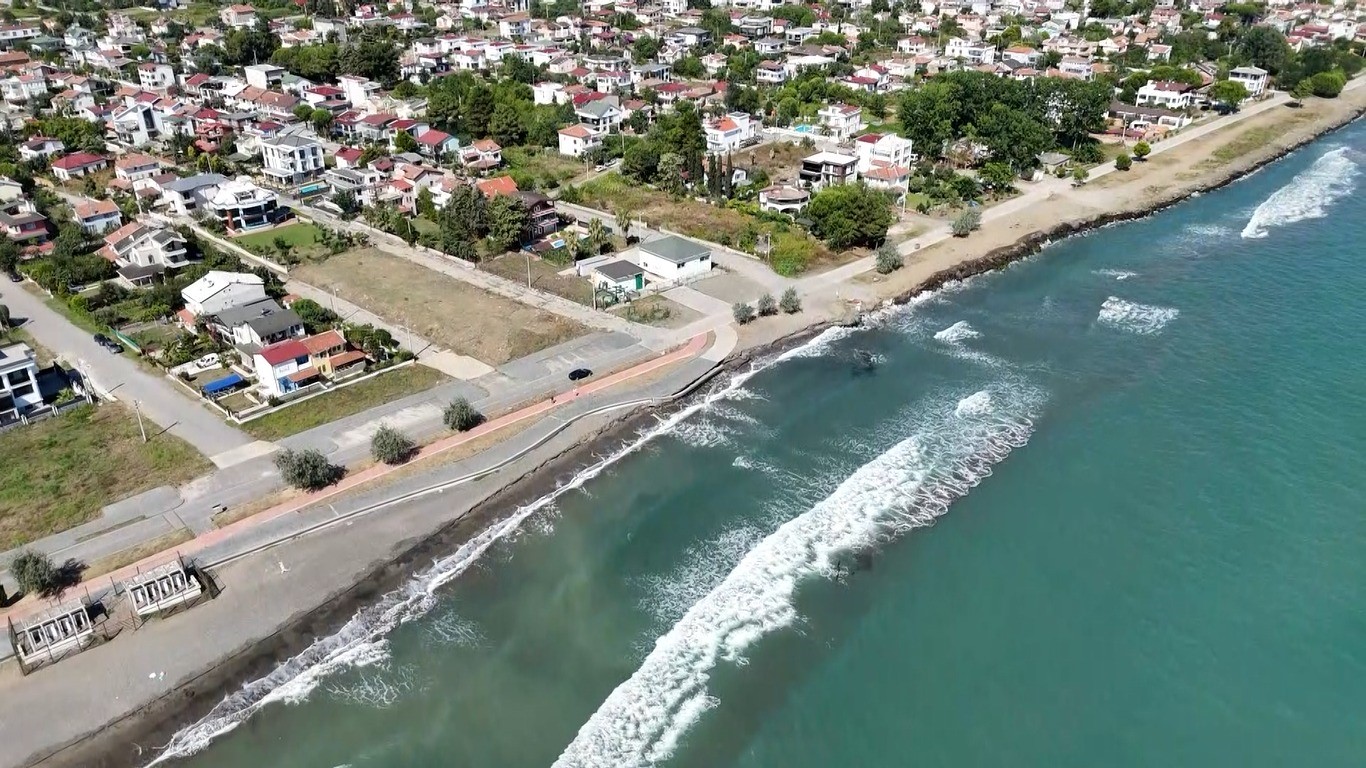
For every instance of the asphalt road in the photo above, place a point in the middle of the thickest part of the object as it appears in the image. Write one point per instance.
(161, 402)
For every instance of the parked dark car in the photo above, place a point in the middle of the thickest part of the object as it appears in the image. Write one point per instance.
(107, 343)
(579, 374)
(15, 277)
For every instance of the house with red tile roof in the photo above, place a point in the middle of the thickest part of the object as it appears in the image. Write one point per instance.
(78, 164)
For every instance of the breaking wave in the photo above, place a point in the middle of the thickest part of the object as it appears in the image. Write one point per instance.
(952, 448)
(1307, 196)
(1144, 319)
(958, 332)
(1118, 274)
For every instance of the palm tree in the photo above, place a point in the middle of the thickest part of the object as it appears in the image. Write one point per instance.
(597, 235)
(624, 217)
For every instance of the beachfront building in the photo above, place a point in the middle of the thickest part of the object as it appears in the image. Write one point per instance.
(1252, 78)
(48, 636)
(674, 258)
(163, 588)
(1166, 94)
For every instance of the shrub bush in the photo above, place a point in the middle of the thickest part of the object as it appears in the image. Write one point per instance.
(1141, 150)
(307, 469)
(461, 416)
(390, 445)
(967, 223)
(743, 312)
(767, 306)
(888, 259)
(34, 572)
(1123, 162)
(790, 302)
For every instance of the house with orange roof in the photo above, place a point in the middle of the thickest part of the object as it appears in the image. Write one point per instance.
(238, 16)
(97, 216)
(498, 185)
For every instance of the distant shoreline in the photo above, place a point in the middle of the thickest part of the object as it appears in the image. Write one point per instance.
(117, 745)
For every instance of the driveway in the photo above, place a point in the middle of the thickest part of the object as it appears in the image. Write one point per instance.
(161, 402)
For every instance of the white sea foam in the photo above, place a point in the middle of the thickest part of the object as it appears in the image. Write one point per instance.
(702, 566)
(361, 641)
(1307, 196)
(1118, 274)
(819, 344)
(380, 688)
(908, 486)
(976, 404)
(958, 332)
(1135, 318)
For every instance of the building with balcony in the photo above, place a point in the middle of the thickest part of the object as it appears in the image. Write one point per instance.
(19, 391)
(291, 160)
(240, 205)
(826, 168)
(783, 199)
(140, 252)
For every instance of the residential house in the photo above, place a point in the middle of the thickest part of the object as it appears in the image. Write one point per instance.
(40, 146)
(282, 367)
(675, 258)
(240, 205)
(783, 199)
(841, 120)
(881, 149)
(238, 16)
(434, 143)
(888, 178)
(618, 276)
(330, 355)
(264, 76)
(187, 196)
(291, 160)
(96, 217)
(1252, 78)
(19, 391)
(599, 116)
(156, 77)
(78, 164)
(482, 155)
(970, 52)
(136, 166)
(1166, 94)
(542, 220)
(23, 87)
(364, 183)
(23, 224)
(731, 132)
(217, 291)
(578, 139)
(140, 253)
(824, 169)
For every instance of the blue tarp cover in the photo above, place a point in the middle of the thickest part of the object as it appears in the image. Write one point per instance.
(231, 380)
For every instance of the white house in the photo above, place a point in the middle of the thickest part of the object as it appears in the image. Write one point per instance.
(217, 291)
(880, 149)
(155, 77)
(264, 76)
(140, 252)
(824, 169)
(731, 132)
(97, 216)
(76, 165)
(841, 120)
(290, 160)
(971, 52)
(136, 167)
(18, 381)
(1252, 78)
(783, 199)
(1167, 94)
(577, 139)
(238, 16)
(240, 204)
(674, 258)
(40, 146)
(282, 367)
(618, 276)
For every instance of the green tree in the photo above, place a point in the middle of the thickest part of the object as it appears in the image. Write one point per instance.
(1264, 47)
(742, 312)
(998, 177)
(1141, 150)
(303, 112)
(505, 125)
(306, 469)
(461, 416)
(1123, 162)
(371, 57)
(790, 302)
(404, 142)
(850, 215)
(507, 218)
(1302, 90)
(424, 205)
(1327, 85)
(1080, 174)
(644, 49)
(929, 115)
(316, 317)
(1228, 93)
(390, 446)
(322, 121)
(670, 176)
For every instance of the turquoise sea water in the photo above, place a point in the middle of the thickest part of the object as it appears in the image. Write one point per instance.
(1141, 452)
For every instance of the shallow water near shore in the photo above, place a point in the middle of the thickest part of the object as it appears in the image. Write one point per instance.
(1099, 508)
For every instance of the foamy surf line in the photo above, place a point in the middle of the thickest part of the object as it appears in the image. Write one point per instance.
(954, 448)
(361, 641)
(1307, 196)
(1145, 319)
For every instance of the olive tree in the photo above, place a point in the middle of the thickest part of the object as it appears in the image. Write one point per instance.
(390, 446)
(307, 469)
(790, 302)
(461, 416)
(888, 259)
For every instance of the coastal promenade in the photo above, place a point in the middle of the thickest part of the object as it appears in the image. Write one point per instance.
(309, 511)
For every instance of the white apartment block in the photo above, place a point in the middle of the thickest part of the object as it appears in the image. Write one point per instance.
(291, 160)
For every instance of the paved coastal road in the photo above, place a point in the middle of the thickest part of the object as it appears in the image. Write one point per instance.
(161, 402)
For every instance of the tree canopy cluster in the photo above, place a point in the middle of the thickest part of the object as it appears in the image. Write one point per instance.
(1016, 120)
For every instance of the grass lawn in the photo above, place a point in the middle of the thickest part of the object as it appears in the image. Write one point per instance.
(779, 159)
(59, 472)
(388, 386)
(548, 168)
(448, 312)
(302, 236)
(657, 310)
(544, 275)
(611, 192)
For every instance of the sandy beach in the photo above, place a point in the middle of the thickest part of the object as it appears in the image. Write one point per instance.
(115, 704)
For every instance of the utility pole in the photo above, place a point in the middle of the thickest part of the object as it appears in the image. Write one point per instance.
(137, 408)
(528, 268)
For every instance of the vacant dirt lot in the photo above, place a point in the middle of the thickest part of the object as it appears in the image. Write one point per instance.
(444, 310)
